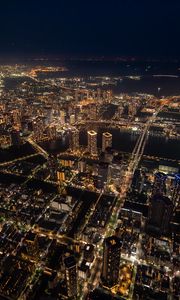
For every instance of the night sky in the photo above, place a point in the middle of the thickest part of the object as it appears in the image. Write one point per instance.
(116, 27)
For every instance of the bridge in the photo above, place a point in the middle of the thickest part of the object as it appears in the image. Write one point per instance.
(38, 148)
(9, 162)
(141, 142)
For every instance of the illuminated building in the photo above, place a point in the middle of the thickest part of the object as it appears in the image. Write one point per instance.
(62, 117)
(16, 118)
(106, 140)
(60, 176)
(5, 141)
(71, 276)
(72, 119)
(92, 142)
(159, 186)
(111, 261)
(38, 129)
(84, 270)
(132, 110)
(114, 174)
(176, 191)
(109, 95)
(82, 166)
(89, 252)
(160, 213)
(74, 140)
(66, 162)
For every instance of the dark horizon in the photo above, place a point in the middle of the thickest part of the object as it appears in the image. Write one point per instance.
(78, 28)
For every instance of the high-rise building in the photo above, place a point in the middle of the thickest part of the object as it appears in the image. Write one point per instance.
(111, 261)
(62, 117)
(160, 214)
(74, 140)
(176, 191)
(159, 186)
(38, 128)
(92, 142)
(82, 166)
(106, 140)
(71, 276)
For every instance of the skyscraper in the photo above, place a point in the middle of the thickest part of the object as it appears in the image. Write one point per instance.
(71, 276)
(160, 214)
(111, 261)
(106, 140)
(92, 142)
(38, 129)
(62, 117)
(159, 186)
(74, 140)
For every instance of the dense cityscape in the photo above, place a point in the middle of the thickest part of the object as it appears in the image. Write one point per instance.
(80, 216)
(90, 150)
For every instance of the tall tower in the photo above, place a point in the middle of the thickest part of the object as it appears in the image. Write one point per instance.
(106, 140)
(74, 140)
(159, 186)
(71, 276)
(62, 117)
(160, 213)
(92, 142)
(111, 261)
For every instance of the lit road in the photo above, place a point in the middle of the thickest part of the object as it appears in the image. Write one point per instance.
(4, 164)
(39, 149)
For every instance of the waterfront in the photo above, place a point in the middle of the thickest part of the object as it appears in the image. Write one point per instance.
(122, 141)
